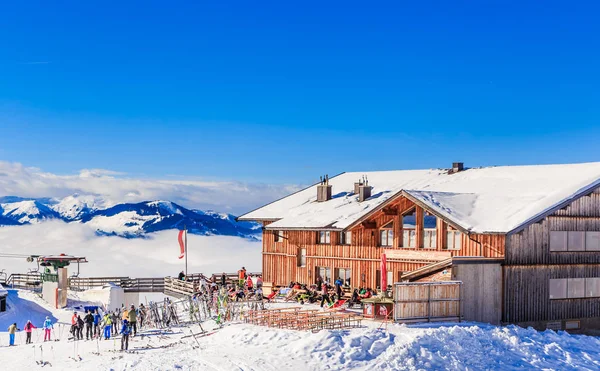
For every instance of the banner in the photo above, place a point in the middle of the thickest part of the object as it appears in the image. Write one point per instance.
(182, 241)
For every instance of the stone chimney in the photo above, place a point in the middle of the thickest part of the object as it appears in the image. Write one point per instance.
(457, 167)
(364, 190)
(324, 190)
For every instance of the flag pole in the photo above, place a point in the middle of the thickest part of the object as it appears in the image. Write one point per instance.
(186, 271)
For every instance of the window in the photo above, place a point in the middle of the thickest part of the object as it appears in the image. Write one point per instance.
(574, 288)
(409, 229)
(386, 235)
(278, 236)
(302, 257)
(429, 231)
(453, 239)
(324, 237)
(324, 273)
(345, 238)
(344, 274)
(574, 241)
(390, 278)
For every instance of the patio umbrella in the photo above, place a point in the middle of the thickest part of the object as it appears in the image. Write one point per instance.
(383, 273)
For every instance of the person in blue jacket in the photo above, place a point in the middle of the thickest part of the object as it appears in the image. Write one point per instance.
(125, 331)
(97, 320)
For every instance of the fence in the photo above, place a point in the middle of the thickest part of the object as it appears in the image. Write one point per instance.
(427, 301)
(32, 281)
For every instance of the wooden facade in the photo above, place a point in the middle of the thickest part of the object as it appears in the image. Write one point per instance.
(282, 259)
(530, 265)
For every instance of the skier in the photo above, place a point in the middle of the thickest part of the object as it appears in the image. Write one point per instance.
(12, 329)
(28, 328)
(115, 321)
(325, 295)
(132, 317)
(74, 324)
(97, 318)
(89, 324)
(125, 331)
(80, 325)
(259, 282)
(249, 283)
(223, 280)
(142, 313)
(338, 287)
(48, 326)
(107, 322)
(242, 276)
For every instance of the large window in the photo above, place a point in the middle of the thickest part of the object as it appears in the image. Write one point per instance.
(279, 236)
(453, 239)
(325, 274)
(302, 257)
(574, 288)
(346, 238)
(344, 274)
(574, 241)
(409, 229)
(325, 237)
(386, 234)
(429, 231)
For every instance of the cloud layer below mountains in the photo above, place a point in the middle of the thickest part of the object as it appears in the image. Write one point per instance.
(225, 196)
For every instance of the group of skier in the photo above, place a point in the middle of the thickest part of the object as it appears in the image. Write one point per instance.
(28, 328)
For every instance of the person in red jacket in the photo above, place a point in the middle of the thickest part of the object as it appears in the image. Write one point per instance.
(28, 328)
(249, 282)
(74, 324)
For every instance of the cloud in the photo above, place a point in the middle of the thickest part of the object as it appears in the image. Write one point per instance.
(227, 196)
(114, 256)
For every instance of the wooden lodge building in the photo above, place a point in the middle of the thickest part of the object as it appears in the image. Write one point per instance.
(525, 240)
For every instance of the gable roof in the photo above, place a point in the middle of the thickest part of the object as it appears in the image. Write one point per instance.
(480, 200)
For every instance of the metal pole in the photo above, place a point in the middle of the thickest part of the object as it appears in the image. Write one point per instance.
(186, 253)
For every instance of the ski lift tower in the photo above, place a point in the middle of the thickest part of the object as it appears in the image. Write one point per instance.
(55, 280)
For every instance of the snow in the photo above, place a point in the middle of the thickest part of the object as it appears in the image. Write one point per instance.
(123, 222)
(238, 346)
(488, 199)
(25, 211)
(3, 291)
(75, 206)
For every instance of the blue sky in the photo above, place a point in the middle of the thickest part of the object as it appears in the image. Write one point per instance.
(279, 92)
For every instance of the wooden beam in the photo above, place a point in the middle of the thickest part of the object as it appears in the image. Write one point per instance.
(369, 225)
(390, 211)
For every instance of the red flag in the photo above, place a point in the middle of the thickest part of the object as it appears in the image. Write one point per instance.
(182, 237)
(384, 282)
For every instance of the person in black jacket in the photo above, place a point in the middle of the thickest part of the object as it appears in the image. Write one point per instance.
(79, 331)
(223, 280)
(89, 325)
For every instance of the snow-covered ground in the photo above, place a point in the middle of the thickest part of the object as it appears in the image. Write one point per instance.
(237, 346)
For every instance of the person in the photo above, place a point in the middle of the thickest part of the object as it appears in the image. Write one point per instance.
(338, 287)
(181, 276)
(125, 331)
(89, 325)
(125, 314)
(48, 326)
(97, 319)
(132, 318)
(249, 282)
(142, 314)
(115, 321)
(223, 280)
(107, 321)
(242, 276)
(80, 325)
(325, 295)
(319, 282)
(355, 299)
(12, 329)
(74, 324)
(28, 328)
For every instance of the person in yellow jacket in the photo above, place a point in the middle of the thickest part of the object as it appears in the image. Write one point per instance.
(107, 320)
(125, 315)
(12, 329)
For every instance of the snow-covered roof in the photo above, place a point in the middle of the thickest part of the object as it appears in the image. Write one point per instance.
(488, 199)
(3, 291)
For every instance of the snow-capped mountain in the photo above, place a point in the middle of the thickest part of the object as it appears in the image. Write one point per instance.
(127, 220)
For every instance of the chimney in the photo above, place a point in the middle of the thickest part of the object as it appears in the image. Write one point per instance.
(324, 190)
(357, 186)
(456, 167)
(364, 190)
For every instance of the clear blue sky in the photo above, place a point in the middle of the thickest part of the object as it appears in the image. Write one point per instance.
(282, 92)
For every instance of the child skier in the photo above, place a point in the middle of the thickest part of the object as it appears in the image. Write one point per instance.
(12, 329)
(125, 331)
(28, 328)
(107, 321)
(48, 326)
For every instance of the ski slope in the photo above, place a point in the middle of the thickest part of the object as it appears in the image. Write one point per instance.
(237, 346)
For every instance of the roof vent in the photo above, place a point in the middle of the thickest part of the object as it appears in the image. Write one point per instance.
(324, 189)
(457, 167)
(364, 190)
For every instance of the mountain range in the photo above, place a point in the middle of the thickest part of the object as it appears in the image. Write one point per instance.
(129, 220)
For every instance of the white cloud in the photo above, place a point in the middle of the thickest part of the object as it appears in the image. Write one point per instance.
(114, 256)
(228, 196)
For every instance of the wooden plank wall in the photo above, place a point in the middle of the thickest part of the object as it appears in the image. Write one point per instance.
(529, 265)
(362, 256)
